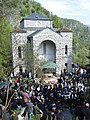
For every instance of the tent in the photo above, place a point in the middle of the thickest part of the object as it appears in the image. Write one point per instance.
(50, 65)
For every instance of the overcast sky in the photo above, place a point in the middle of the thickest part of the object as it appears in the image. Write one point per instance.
(73, 9)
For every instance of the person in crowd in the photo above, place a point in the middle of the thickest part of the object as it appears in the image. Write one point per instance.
(46, 114)
(29, 109)
(25, 96)
(59, 115)
(86, 111)
(38, 112)
(66, 113)
(78, 112)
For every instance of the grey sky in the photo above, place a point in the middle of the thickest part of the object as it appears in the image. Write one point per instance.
(72, 9)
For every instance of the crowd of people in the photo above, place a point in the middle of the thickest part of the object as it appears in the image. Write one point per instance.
(65, 100)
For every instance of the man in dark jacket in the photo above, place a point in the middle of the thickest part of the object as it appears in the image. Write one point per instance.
(86, 111)
(78, 112)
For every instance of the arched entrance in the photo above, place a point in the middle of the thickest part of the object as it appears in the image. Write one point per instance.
(47, 50)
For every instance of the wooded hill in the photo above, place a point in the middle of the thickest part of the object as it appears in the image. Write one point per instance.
(14, 10)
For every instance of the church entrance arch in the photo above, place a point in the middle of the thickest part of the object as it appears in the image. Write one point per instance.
(47, 49)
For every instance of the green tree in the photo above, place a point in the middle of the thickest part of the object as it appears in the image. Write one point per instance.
(57, 22)
(34, 64)
(7, 7)
(5, 47)
(7, 10)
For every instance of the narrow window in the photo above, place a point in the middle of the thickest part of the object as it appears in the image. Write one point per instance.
(66, 49)
(20, 69)
(66, 64)
(44, 48)
(19, 52)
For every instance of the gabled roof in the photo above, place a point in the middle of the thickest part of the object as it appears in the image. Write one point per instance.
(36, 16)
(36, 32)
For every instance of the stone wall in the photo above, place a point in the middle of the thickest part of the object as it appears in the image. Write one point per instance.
(36, 23)
(60, 42)
(18, 39)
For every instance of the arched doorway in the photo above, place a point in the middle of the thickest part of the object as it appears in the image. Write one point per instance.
(47, 50)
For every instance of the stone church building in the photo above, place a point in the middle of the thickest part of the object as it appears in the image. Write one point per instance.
(36, 31)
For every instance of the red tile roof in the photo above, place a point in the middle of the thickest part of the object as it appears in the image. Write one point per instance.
(19, 30)
(64, 30)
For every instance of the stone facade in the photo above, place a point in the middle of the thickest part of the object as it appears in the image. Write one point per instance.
(47, 43)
